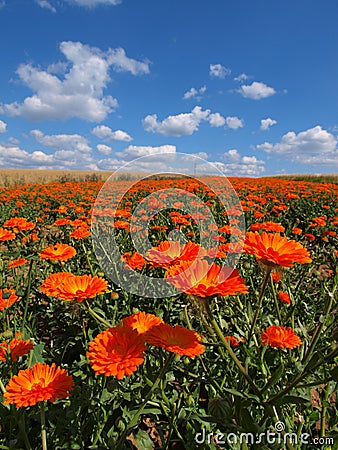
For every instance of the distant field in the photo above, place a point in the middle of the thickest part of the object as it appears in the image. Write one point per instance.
(10, 177)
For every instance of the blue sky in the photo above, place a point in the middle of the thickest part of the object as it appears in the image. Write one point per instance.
(251, 86)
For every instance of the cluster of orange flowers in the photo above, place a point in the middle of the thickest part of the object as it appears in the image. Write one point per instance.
(119, 350)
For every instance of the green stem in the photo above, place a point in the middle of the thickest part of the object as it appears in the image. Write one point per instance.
(274, 294)
(27, 294)
(319, 328)
(303, 375)
(134, 420)
(97, 316)
(43, 426)
(232, 354)
(259, 303)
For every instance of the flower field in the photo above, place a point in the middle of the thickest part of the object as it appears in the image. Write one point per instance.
(224, 326)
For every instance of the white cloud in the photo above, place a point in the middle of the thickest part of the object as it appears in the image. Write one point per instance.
(73, 142)
(235, 164)
(106, 133)
(194, 93)
(104, 149)
(242, 77)
(15, 157)
(80, 92)
(3, 127)
(216, 120)
(312, 146)
(234, 122)
(256, 90)
(46, 4)
(184, 124)
(267, 123)
(134, 151)
(219, 71)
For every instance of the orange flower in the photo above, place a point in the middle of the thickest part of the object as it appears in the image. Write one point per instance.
(175, 339)
(19, 223)
(141, 321)
(284, 297)
(51, 285)
(276, 276)
(38, 383)
(17, 262)
(6, 235)
(67, 286)
(297, 230)
(17, 347)
(202, 280)
(134, 261)
(58, 252)
(280, 337)
(116, 352)
(267, 226)
(10, 298)
(273, 250)
(171, 252)
(80, 233)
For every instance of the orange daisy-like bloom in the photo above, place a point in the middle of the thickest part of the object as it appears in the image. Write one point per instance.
(74, 287)
(38, 383)
(80, 233)
(204, 280)
(17, 262)
(176, 339)
(6, 235)
(16, 348)
(19, 223)
(273, 250)
(58, 252)
(8, 300)
(134, 261)
(267, 226)
(280, 337)
(116, 352)
(51, 285)
(141, 321)
(284, 297)
(172, 252)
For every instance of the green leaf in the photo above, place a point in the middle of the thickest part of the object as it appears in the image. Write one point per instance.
(291, 399)
(274, 378)
(37, 353)
(143, 440)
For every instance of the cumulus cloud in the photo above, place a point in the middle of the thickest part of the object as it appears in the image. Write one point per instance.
(234, 122)
(312, 146)
(107, 134)
(104, 149)
(46, 4)
(79, 93)
(184, 124)
(64, 142)
(194, 93)
(242, 77)
(256, 90)
(216, 120)
(136, 151)
(15, 157)
(267, 123)
(218, 71)
(3, 127)
(233, 163)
